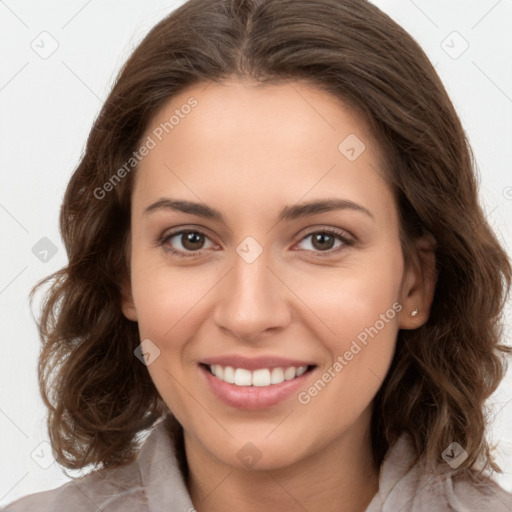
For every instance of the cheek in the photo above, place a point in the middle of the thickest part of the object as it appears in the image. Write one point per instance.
(165, 296)
(367, 309)
(356, 317)
(346, 301)
(170, 304)
(167, 301)
(359, 306)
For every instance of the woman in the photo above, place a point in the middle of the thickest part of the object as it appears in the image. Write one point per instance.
(278, 262)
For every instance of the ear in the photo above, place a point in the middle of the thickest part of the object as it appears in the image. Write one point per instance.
(419, 283)
(127, 304)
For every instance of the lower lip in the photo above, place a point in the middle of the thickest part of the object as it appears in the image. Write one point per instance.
(253, 397)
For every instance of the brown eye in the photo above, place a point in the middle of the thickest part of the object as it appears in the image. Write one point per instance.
(322, 241)
(192, 240)
(186, 242)
(326, 241)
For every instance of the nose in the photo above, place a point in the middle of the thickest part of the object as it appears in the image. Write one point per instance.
(252, 302)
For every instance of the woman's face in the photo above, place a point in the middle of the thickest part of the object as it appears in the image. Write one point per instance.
(292, 260)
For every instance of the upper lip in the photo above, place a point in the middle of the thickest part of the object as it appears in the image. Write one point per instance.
(255, 363)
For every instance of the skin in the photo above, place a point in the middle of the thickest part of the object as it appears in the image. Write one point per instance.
(248, 151)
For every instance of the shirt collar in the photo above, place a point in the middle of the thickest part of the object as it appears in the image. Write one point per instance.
(160, 473)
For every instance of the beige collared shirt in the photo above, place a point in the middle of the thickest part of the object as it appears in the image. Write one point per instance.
(154, 483)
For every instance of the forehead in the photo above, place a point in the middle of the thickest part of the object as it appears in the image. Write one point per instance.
(278, 142)
(283, 116)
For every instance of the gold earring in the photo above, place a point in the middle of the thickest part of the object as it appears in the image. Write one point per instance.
(414, 312)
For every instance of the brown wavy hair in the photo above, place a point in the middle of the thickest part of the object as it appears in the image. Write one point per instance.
(99, 395)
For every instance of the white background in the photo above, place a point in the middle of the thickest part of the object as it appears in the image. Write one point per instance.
(48, 106)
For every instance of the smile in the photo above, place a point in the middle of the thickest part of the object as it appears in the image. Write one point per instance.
(267, 383)
(261, 377)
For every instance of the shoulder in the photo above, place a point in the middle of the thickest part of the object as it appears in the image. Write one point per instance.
(106, 490)
(483, 497)
(152, 482)
(405, 485)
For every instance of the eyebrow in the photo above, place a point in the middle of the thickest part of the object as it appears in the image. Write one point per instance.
(287, 213)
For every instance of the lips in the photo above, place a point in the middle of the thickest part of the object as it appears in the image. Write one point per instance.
(254, 383)
(255, 363)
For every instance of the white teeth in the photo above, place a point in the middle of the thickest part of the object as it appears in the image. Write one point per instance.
(300, 371)
(229, 375)
(277, 376)
(260, 378)
(242, 377)
(219, 371)
(289, 373)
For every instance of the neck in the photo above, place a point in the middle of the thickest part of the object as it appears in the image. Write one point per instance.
(341, 476)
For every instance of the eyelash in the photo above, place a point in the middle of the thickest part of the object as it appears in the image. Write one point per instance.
(341, 235)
